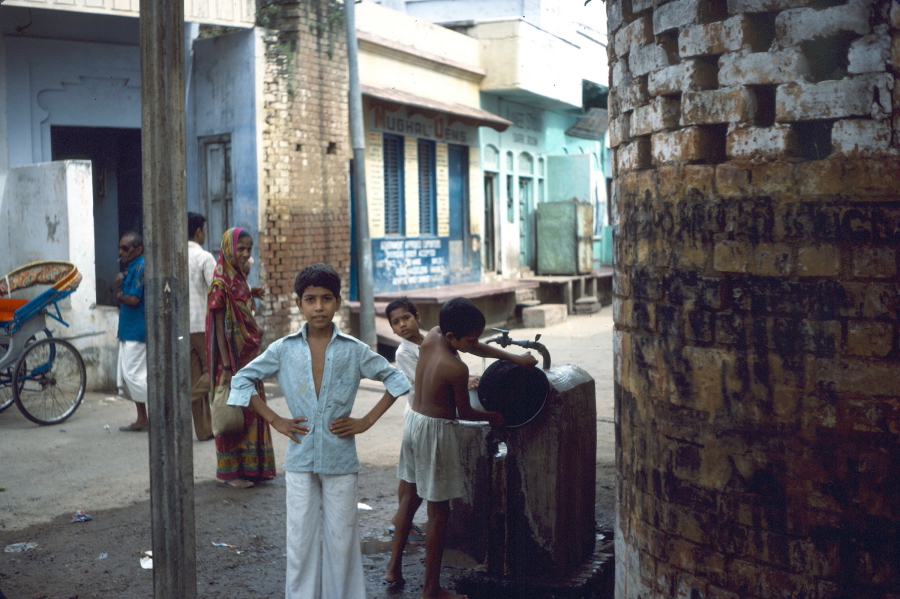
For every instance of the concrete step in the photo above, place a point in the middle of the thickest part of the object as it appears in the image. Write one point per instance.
(522, 304)
(544, 315)
(525, 295)
(587, 305)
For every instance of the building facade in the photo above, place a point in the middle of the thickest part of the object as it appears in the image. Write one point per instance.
(266, 146)
(539, 58)
(420, 85)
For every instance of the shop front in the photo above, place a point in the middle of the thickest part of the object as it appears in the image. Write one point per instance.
(423, 188)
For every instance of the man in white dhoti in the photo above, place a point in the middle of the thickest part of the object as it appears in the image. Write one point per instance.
(132, 366)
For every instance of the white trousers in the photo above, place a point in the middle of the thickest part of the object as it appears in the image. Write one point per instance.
(131, 372)
(324, 560)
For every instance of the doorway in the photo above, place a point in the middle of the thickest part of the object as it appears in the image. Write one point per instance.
(526, 222)
(490, 224)
(217, 188)
(115, 156)
(458, 167)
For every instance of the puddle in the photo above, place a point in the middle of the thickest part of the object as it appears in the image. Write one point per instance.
(381, 548)
(375, 546)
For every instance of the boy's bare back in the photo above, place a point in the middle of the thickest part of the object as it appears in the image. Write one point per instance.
(438, 372)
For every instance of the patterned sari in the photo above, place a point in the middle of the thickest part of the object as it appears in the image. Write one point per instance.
(247, 454)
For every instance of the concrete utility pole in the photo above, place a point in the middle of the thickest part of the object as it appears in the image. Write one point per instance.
(358, 141)
(166, 297)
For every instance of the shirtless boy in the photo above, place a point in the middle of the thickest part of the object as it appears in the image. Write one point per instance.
(429, 456)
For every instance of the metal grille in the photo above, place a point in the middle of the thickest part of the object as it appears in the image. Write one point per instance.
(393, 185)
(427, 193)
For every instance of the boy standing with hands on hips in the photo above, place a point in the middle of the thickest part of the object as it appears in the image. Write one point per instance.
(319, 370)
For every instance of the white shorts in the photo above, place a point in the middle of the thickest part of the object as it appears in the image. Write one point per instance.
(131, 372)
(429, 457)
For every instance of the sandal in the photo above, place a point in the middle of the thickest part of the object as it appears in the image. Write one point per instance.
(237, 483)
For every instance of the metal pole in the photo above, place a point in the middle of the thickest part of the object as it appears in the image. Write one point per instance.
(166, 297)
(358, 141)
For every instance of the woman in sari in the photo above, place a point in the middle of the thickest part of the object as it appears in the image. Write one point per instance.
(233, 339)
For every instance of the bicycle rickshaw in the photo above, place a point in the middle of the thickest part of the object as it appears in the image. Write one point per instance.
(43, 375)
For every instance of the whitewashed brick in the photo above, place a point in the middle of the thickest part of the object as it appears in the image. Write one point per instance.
(742, 6)
(614, 18)
(632, 156)
(870, 53)
(620, 73)
(632, 94)
(678, 13)
(662, 113)
(763, 68)
(716, 38)
(690, 144)
(635, 34)
(619, 130)
(801, 24)
(638, 6)
(688, 75)
(834, 99)
(760, 142)
(646, 59)
(858, 135)
(728, 105)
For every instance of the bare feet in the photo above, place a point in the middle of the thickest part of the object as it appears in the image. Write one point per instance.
(237, 483)
(394, 579)
(440, 593)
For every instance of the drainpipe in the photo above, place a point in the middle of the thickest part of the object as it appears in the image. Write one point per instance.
(361, 210)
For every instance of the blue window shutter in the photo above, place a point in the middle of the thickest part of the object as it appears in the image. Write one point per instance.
(427, 188)
(393, 185)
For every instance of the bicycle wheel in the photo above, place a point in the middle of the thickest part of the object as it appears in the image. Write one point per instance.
(6, 389)
(7, 397)
(49, 381)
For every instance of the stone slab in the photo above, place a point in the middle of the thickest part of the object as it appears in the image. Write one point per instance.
(544, 315)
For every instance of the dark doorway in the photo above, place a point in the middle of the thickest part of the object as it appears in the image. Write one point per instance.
(115, 156)
(458, 174)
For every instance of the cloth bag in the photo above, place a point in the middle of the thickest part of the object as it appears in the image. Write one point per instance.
(225, 418)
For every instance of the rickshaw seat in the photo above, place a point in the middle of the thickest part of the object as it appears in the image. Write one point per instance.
(9, 306)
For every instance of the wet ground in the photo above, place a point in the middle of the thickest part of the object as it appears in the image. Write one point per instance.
(50, 472)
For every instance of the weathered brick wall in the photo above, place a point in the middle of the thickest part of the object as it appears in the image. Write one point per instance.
(757, 191)
(306, 153)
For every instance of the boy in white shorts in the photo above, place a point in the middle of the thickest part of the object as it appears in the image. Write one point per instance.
(429, 455)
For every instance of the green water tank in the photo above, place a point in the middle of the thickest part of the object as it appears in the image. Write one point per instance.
(564, 238)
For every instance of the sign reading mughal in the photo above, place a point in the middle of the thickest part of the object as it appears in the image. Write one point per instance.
(409, 122)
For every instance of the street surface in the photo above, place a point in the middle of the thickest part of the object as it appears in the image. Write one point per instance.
(87, 464)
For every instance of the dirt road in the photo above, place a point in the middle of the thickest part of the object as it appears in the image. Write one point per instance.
(87, 464)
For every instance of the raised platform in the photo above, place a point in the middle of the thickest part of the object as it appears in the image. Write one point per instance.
(497, 299)
(566, 289)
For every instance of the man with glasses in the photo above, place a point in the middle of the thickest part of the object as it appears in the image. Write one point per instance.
(132, 365)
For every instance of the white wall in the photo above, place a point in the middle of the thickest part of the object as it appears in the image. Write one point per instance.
(47, 214)
(76, 84)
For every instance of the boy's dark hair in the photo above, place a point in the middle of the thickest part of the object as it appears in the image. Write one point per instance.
(403, 302)
(195, 223)
(317, 275)
(461, 317)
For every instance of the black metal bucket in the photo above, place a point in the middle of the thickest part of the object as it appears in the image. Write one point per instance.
(518, 393)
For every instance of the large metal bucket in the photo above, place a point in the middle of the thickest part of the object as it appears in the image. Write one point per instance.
(518, 393)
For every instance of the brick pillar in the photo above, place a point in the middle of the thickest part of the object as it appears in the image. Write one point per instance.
(756, 297)
(306, 152)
